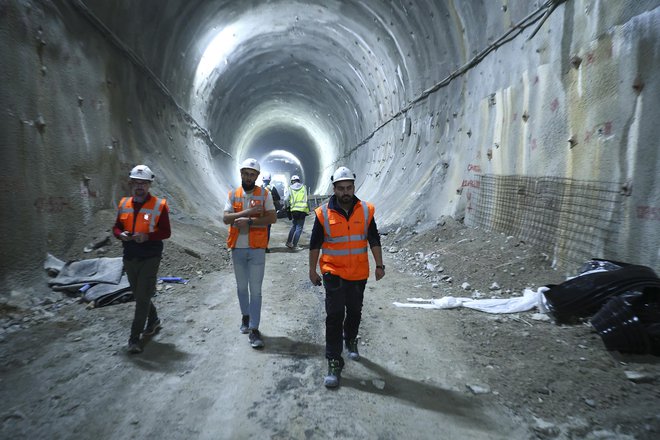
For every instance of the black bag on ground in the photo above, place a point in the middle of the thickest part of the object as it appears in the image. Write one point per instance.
(584, 295)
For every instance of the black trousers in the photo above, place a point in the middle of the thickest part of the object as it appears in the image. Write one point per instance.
(343, 308)
(141, 274)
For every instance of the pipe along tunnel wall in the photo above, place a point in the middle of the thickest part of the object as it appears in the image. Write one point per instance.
(535, 120)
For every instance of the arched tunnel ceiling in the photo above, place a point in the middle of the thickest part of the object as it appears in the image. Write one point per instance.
(288, 70)
(422, 99)
(311, 78)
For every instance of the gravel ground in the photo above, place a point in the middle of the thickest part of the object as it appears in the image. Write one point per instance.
(425, 373)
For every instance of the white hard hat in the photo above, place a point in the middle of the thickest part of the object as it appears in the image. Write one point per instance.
(342, 173)
(266, 176)
(295, 177)
(141, 172)
(252, 164)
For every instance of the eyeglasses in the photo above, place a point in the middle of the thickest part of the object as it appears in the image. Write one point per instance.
(249, 174)
(140, 182)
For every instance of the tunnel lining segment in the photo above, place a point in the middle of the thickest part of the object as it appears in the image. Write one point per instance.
(542, 13)
(97, 24)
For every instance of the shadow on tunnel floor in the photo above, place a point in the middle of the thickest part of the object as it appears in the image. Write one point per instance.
(421, 395)
(158, 356)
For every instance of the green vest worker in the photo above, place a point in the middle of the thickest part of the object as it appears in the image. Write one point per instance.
(297, 203)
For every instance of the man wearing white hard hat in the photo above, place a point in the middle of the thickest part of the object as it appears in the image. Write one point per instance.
(299, 208)
(248, 212)
(142, 224)
(344, 228)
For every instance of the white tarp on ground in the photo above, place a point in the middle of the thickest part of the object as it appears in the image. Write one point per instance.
(528, 301)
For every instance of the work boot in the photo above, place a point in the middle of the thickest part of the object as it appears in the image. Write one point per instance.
(352, 347)
(289, 245)
(245, 324)
(334, 373)
(134, 346)
(255, 339)
(152, 327)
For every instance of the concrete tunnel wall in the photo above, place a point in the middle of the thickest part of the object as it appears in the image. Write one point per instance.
(426, 101)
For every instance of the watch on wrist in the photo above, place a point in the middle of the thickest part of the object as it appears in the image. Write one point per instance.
(380, 266)
(250, 221)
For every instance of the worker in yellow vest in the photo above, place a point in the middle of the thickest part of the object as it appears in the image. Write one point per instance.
(344, 228)
(299, 208)
(248, 212)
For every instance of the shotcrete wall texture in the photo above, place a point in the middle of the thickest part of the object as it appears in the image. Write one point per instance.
(411, 95)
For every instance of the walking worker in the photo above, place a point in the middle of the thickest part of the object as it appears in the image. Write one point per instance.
(142, 224)
(248, 212)
(297, 203)
(343, 228)
(277, 200)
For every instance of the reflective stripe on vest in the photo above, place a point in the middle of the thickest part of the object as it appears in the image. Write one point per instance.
(258, 234)
(298, 199)
(149, 211)
(344, 239)
(345, 253)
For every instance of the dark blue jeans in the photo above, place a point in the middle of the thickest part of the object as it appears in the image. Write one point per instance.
(343, 308)
(297, 227)
(249, 266)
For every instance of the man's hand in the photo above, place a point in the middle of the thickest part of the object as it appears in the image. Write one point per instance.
(254, 211)
(380, 273)
(315, 278)
(125, 236)
(242, 223)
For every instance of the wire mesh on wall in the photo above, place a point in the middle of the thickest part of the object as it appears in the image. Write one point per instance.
(571, 220)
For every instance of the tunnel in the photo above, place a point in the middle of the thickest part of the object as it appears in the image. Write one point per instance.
(534, 119)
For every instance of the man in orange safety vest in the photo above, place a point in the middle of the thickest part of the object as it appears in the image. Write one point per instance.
(142, 224)
(248, 212)
(344, 228)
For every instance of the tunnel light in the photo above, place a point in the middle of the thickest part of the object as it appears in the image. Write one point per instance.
(283, 155)
(216, 53)
(283, 181)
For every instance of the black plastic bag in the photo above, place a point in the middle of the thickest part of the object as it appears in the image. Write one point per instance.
(584, 295)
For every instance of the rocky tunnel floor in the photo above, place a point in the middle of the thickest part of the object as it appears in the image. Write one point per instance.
(454, 373)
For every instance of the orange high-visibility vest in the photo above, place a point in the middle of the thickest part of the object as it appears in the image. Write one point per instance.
(258, 235)
(345, 246)
(147, 218)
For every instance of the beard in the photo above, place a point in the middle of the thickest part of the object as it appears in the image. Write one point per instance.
(139, 195)
(247, 187)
